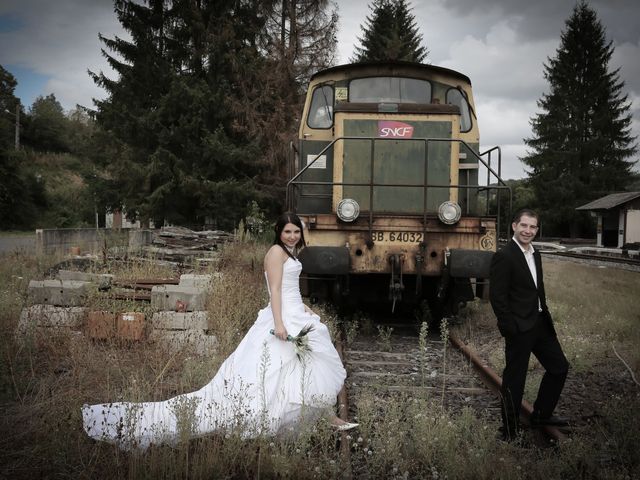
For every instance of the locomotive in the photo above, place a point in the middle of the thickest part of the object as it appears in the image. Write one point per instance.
(399, 204)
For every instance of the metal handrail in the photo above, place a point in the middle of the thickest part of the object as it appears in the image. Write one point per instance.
(294, 182)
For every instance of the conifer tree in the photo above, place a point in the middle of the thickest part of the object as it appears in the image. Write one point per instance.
(390, 33)
(205, 93)
(180, 160)
(582, 141)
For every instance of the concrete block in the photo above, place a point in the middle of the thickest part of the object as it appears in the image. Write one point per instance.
(66, 293)
(103, 280)
(130, 326)
(177, 297)
(204, 282)
(49, 316)
(101, 325)
(195, 341)
(139, 238)
(180, 321)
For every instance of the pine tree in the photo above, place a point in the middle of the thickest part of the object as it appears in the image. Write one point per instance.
(582, 141)
(169, 111)
(390, 33)
(144, 77)
(206, 99)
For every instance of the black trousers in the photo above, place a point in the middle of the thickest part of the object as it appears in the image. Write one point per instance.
(542, 341)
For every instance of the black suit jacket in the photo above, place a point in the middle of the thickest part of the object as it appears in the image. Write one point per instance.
(513, 293)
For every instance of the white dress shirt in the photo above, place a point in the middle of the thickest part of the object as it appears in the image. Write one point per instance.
(528, 256)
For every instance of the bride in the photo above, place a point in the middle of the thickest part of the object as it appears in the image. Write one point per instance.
(277, 377)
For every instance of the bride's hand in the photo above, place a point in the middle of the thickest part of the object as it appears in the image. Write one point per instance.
(280, 332)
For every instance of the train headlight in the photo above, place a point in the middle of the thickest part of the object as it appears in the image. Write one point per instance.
(449, 212)
(348, 210)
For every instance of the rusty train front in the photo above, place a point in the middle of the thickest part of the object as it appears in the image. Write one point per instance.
(399, 204)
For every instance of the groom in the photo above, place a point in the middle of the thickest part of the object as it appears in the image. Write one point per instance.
(518, 300)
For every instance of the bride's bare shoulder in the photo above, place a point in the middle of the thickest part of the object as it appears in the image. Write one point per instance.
(275, 255)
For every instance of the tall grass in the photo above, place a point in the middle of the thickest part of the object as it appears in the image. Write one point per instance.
(46, 378)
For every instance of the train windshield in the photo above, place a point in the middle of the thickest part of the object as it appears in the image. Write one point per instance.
(389, 89)
(321, 110)
(455, 97)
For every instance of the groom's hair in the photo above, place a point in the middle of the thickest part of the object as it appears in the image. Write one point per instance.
(525, 211)
(282, 220)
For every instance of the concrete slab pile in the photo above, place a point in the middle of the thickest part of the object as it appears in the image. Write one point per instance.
(199, 281)
(183, 330)
(103, 280)
(131, 326)
(180, 322)
(50, 318)
(101, 325)
(178, 297)
(64, 293)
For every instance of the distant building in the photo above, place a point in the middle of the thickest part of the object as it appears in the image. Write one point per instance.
(618, 219)
(118, 219)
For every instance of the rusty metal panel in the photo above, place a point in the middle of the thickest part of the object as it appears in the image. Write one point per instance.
(404, 236)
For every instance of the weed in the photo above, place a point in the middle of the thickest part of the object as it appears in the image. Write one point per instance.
(444, 335)
(384, 337)
(422, 345)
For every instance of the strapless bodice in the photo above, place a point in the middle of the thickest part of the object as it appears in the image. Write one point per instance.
(290, 282)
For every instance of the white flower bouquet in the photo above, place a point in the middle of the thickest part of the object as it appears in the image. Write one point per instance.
(300, 341)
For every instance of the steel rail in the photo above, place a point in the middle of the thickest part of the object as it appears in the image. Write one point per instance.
(494, 382)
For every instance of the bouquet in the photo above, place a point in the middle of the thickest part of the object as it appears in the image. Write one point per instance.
(300, 341)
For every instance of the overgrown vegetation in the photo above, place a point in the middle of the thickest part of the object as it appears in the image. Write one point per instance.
(46, 378)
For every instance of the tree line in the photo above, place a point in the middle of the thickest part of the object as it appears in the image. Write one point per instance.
(196, 126)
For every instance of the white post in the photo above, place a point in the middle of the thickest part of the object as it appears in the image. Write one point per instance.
(621, 228)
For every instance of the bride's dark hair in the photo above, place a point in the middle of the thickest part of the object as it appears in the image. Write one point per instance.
(282, 220)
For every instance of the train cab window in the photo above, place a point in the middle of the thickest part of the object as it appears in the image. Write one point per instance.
(321, 110)
(389, 90)
(455, 97)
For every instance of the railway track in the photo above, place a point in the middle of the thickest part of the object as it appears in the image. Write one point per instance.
(606, 259)
(405, 365)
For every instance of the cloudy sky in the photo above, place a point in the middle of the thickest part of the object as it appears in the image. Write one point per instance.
(500, 44)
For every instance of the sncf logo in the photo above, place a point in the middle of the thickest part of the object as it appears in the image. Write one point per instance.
(388, 129)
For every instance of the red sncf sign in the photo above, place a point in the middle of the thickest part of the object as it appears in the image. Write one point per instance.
(390, 129)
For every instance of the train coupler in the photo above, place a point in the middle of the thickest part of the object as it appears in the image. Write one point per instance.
(420, 258)
(396, 286)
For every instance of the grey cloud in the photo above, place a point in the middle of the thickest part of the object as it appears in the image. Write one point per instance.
(546, 18)
(60, 40)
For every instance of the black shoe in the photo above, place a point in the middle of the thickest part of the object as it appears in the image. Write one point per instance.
(556, 421)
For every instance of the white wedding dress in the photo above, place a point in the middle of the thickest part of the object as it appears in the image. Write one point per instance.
(263, 387)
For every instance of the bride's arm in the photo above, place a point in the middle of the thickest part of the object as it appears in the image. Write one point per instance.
(273, 265)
